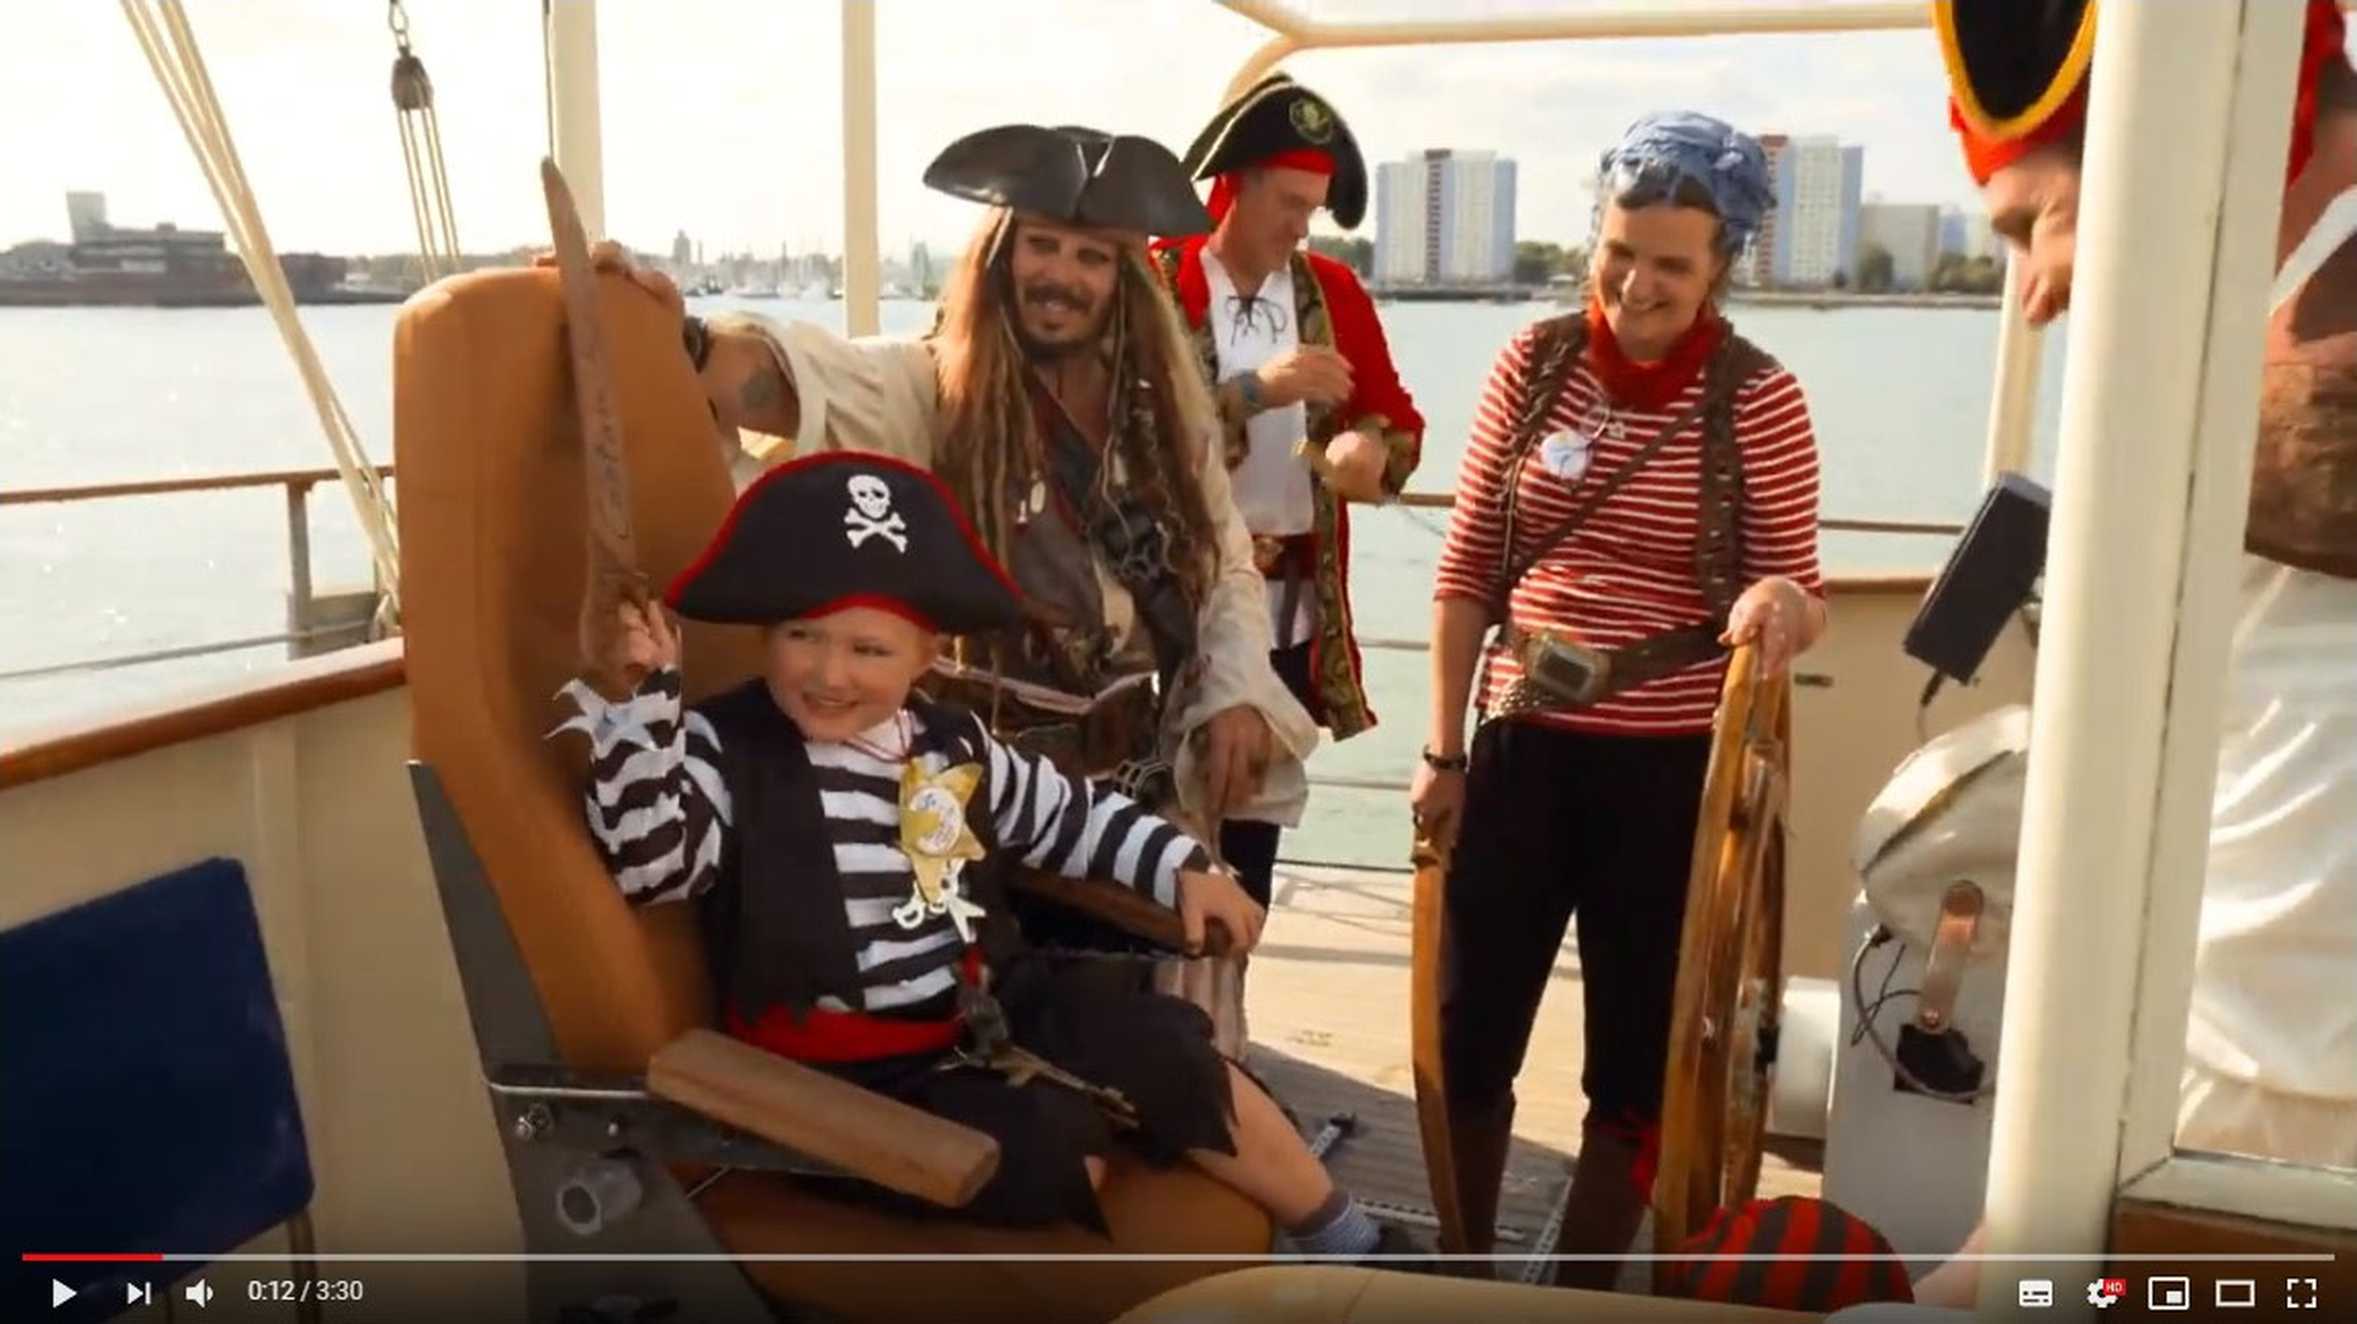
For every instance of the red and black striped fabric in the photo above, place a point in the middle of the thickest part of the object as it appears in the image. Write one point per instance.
(1791, 1225)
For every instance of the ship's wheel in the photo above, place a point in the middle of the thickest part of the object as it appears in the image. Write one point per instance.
(1730, 985)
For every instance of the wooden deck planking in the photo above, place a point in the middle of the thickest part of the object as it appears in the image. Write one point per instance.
(1327, 1005)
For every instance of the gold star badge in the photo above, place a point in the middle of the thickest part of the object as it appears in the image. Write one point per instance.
(938, 842)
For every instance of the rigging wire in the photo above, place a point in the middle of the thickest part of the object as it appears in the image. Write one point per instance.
(421, 153)
(161, 27)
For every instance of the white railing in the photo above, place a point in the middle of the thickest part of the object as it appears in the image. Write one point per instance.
(314, 624)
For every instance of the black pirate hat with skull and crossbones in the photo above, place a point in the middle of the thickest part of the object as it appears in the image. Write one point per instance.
(847, 529)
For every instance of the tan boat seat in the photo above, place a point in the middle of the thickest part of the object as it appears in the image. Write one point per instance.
(493, 559)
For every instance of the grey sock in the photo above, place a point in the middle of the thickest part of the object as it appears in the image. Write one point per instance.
(1337, 1227)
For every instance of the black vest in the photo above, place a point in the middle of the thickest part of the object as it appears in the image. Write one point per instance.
(774, 926)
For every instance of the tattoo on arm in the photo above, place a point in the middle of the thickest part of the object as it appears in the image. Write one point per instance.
(748, 386)
(766, 399)
(763, 391)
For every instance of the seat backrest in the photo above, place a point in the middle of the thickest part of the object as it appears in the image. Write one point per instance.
(493, 562)
(148, 1104)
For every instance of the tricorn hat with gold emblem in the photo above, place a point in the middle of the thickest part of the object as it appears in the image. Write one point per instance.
(1279, 122)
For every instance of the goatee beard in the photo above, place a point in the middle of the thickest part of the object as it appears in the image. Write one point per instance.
(1042, 352)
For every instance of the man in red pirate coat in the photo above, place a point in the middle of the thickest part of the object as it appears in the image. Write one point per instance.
(1313, 412)
(2271, 1046)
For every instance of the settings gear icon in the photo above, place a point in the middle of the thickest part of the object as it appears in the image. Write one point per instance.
(2103, 1293)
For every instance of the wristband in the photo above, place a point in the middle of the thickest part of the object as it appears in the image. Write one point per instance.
(1446, 762)
(1248, 389)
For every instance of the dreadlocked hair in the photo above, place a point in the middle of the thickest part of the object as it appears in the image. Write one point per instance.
(1162, 412)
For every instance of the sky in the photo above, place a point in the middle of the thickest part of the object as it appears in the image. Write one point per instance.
(723, 117)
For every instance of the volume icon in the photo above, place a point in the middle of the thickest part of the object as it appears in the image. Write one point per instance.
(199, 1292)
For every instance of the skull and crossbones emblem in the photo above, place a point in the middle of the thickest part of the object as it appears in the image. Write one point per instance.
(871, 514)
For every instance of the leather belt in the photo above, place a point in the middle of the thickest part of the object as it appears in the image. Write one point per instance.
(1561, 674)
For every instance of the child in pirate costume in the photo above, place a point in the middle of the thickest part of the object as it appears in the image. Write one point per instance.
(847, 838)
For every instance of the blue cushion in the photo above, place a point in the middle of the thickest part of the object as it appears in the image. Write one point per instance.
(145, 1099)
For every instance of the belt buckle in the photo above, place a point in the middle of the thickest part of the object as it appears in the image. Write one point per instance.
(1573, 672)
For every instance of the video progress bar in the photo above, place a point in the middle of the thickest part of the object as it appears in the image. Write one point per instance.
(897, 1257)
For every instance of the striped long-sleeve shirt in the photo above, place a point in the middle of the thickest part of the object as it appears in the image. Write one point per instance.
(660, 813)
(1628, 572)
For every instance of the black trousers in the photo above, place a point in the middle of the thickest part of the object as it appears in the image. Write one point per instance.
(1250, 847)
(1559, 823)
(1156, 1050)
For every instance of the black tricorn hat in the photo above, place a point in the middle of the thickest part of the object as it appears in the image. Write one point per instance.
(847, 529)
(1076, 175)
(1276, 115)
(2012, 64)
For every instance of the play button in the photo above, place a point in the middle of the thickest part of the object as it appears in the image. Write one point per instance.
(59, 1294)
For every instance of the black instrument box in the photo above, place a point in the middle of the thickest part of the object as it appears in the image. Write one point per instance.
(1992, 572)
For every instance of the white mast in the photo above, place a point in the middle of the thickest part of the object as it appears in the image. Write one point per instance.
(573, 133)
(2187, 132)
(860, 262)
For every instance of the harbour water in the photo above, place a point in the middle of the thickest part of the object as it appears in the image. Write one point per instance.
(96, 395)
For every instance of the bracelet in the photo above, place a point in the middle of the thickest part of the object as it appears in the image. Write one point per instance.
(697, 338)
(1446, 762)
(1248, 390)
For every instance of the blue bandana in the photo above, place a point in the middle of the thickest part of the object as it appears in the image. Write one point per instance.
(1675, 144)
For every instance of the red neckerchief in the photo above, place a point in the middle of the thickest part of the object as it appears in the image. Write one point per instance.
(1649, 387)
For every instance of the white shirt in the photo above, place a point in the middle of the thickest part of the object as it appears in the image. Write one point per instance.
(2275, 965)
(1272, 486)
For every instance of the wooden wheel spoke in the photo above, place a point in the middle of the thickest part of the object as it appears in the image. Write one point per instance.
(1730, 983)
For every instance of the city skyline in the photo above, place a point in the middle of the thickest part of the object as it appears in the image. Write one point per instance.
(1443, 215)
(711, 128)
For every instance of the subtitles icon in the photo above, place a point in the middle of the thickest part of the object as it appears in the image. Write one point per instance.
(2035, 1293)
(2168, 1294)
(2104, 1293)
(2237, 1294)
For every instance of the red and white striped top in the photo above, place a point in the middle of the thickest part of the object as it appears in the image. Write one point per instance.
(1629, 571)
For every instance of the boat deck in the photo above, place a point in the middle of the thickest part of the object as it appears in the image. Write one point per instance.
(1327, 1008)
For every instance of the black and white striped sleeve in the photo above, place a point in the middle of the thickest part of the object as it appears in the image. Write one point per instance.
(656, 804)
(1082, 829)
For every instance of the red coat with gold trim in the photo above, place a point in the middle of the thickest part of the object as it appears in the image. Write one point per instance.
(1331, 309)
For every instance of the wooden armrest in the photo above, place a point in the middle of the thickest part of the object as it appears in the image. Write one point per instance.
(858, 1130)
(1124, 908)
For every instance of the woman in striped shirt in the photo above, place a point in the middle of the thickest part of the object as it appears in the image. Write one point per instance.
(846, 840)
(1641, 484)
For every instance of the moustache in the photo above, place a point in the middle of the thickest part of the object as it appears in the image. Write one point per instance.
(1045, 294)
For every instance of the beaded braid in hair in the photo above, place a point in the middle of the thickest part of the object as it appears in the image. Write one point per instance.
(991, 446)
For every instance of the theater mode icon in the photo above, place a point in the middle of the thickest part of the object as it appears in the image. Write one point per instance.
(2035, 1293)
